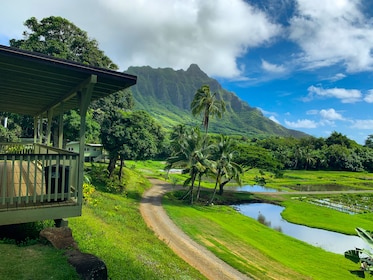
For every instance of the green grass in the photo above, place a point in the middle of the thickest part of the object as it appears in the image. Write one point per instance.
(112, 228)
(296, 178)
(36, 262)
(254, 248)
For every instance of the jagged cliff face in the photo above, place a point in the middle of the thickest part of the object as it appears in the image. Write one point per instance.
(167, 94)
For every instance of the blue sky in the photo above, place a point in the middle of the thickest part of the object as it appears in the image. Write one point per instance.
(306, 64)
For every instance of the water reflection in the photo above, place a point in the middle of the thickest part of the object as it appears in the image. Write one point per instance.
(328, 240)
(252, 188)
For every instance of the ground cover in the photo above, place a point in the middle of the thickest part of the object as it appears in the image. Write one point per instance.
(112, 228)
(37, 262)
(254, 248)
(301, 180)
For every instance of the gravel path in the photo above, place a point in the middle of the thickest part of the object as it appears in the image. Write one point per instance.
(194, 254)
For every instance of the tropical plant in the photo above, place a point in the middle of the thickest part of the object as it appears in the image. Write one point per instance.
(190, 156)
(205, 103)
(225, 169)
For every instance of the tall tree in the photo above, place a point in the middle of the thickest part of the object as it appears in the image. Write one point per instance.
(206, 104)
(130, 135)
(190, 155)
(58, 37)
(225, 167)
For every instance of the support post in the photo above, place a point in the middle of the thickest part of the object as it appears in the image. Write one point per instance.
(60, 127)
(49, 127)
(84, 97)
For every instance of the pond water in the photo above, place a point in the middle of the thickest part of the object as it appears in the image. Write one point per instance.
(328, 240)
(252, 188)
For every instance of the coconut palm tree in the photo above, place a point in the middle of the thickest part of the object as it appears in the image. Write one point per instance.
(225, 168)
(206, 104)
(191, 156)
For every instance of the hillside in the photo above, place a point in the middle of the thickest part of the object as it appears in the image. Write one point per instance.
(167, 94)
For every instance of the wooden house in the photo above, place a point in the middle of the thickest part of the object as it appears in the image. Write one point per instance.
(38, 181)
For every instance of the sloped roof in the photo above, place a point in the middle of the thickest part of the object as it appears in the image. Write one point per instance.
(31, 83)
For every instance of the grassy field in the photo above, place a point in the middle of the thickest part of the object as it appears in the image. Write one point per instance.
(112, 228)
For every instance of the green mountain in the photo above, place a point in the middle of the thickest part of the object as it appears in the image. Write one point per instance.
(167, 94)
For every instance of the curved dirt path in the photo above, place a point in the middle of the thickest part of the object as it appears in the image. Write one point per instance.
(194, 254)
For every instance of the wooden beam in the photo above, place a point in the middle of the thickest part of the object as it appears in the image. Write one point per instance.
(92, 79)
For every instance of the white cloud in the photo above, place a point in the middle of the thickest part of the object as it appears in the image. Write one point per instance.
(330, 114)
(369, 96)
(272, 67)
(158, 33)
(363, 124)
(345, 95)
(273, 118)
(337, 77)
(301, 124)
(333, 31)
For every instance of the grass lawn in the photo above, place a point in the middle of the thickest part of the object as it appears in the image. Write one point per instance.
(36, 262)
(112, 228)
(254, 248)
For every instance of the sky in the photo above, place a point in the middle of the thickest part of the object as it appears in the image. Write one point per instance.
(306, 65)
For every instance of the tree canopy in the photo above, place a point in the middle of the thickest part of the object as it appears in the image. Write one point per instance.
(130, 135)
(58, 37)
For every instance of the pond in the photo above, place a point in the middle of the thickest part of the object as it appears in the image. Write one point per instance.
(328, 240)
(252, 188)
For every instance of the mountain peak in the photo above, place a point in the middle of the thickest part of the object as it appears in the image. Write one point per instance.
(196, 71)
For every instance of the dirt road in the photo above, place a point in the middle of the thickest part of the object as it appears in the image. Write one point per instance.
(194, 254)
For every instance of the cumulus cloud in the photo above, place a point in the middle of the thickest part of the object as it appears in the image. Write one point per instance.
(331, 32)
(161, 33)
(305, 123)
(330, 114)
(345, 95)
(272, 67)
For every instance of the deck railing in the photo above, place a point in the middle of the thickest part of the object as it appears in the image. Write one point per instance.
(35, 174)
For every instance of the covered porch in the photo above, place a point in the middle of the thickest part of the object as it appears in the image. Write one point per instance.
(40, 180)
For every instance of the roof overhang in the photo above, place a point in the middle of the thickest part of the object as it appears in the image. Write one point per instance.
(33, 83)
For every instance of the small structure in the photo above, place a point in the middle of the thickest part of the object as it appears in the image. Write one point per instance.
(92, 152)
(38, 181)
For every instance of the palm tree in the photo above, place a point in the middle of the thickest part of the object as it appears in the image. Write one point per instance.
(190, 157)
(224, 166)
(205, 103)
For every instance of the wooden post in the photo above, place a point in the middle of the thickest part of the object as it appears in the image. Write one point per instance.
(84, 97)
(49, 127)
(60, 127)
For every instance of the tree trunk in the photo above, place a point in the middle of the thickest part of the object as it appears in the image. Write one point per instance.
(120, 168)
(199, 187)
(111, 165)
(213, 194)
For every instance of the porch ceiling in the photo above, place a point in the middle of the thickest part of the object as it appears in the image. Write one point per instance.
(31, 83)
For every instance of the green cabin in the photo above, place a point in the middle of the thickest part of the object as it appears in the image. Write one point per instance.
(39, 181)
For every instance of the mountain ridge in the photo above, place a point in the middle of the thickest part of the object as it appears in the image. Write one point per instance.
(166, 94)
